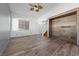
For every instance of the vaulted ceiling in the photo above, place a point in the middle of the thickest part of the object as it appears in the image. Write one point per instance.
(22, 10)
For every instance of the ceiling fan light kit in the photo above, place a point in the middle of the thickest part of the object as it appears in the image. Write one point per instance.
(35, 7)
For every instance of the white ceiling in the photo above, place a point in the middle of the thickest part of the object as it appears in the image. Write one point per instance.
(22, 10)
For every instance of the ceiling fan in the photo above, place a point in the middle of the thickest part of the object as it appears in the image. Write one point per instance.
(35, 7)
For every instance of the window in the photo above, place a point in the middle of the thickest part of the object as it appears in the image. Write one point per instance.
(23, 24)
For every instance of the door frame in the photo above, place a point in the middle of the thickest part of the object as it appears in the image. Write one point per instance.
(64, 14)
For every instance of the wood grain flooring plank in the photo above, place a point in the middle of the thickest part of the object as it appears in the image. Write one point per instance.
(40, 46)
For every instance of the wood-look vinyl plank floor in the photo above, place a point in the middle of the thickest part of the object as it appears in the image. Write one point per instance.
(40, 46)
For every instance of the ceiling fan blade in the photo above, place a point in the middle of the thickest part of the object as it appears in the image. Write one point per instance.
(32, 9)
(31, 5)
(37, 10)
(36, 6)
(40, 7)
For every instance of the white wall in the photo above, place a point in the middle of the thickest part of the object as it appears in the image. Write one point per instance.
(34, 27)
(22, 10)
(4, 26)
(59, 8)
